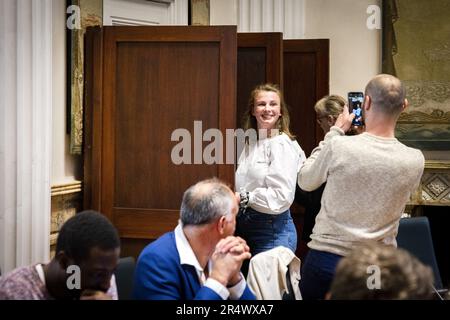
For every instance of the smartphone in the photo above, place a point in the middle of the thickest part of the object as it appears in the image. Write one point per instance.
(355, 103)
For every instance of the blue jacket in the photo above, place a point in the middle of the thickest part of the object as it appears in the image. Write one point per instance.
(160, 276)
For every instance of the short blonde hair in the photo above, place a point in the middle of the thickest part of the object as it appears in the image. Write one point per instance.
(332, 105)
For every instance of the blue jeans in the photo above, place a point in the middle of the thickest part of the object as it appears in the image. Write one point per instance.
(317, 274)
(264, 231)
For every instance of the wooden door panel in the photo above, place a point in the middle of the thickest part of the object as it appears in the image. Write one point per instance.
(148, 111)
(92, 112)
(306, 80)
(154, 80)
(260, 60)
(301, 95)
(251, 71)
(144, 223)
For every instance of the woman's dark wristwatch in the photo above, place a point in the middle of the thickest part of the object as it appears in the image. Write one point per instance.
(244, 195)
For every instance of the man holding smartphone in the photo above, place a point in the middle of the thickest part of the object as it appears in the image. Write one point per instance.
(355, 102)
(370, 177)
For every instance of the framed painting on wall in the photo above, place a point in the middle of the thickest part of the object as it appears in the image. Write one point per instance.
(416, 48)
(80, 15)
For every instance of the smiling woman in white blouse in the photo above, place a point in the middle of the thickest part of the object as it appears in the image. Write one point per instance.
(267, 174)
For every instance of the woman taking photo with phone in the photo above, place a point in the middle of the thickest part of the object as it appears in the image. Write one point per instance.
(327, 110)
(266, 174)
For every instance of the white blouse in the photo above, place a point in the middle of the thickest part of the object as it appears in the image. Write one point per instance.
(268, 170)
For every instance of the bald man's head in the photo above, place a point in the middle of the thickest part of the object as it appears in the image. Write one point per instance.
(387, 94)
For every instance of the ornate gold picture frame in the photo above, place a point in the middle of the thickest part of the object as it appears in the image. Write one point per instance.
(90, 14)
(416, 48)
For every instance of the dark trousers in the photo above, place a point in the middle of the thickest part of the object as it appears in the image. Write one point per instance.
(317, 274)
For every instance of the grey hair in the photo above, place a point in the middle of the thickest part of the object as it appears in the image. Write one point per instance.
(387, 93)
(205, 202)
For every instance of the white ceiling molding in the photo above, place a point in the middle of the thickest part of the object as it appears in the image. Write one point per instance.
(145, 12)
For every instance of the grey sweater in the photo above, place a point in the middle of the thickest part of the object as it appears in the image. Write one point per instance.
(369, 180)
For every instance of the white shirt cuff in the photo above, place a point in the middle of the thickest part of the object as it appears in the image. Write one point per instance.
(251, 198)
(218, 288)
(238, 289)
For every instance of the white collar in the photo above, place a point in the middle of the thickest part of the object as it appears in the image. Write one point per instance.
(187, 255)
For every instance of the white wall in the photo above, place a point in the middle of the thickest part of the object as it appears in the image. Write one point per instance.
(223, 12)
(284, 16)
(355, 51)
(65, 167)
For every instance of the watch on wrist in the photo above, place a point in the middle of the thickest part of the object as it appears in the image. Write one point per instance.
(244, 195)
